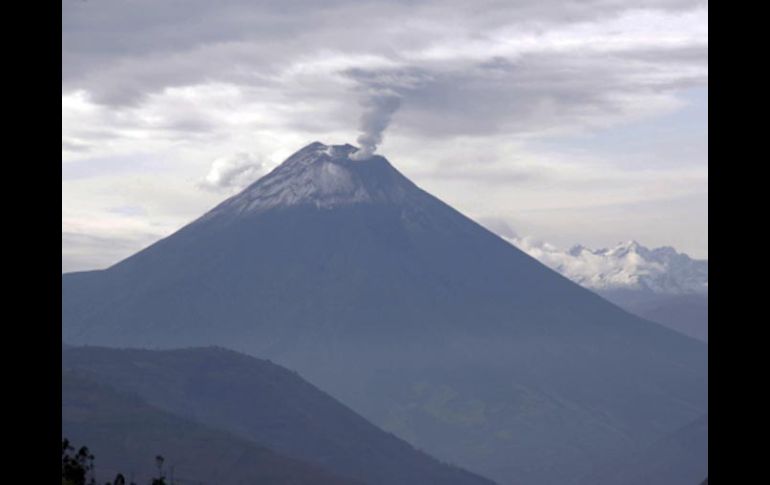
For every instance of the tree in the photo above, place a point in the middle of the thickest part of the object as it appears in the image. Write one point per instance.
(161, 480)
(75, 467)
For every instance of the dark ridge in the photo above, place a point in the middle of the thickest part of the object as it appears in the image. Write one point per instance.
(266, 404)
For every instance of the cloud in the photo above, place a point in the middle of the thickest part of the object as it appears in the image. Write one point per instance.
(82, 252)
(476, 99)
(378, 109)
(525, 68)
(99, 239)
(543, 93)
(232, 173)
(129, 210)
(74, 146)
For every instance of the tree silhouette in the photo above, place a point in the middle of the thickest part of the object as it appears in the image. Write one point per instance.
(75, 467)
(161, 480)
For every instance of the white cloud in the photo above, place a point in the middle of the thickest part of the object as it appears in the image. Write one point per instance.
(232, 172)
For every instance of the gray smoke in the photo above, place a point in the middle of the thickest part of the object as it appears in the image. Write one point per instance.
(378, 110)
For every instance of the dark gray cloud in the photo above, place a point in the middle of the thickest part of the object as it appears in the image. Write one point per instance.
(533, 91)
(447, 68)
(122, 51)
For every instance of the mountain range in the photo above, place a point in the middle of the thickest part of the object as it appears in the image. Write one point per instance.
(626, 266)
(226, 418)
(125, 434)
(418, 318)
(653, 465)
(660, 284)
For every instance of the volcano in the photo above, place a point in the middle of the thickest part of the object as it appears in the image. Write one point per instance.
(415, 316)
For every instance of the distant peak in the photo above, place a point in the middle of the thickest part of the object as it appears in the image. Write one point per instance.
(630, 244)
(626, 266)
(576, 250)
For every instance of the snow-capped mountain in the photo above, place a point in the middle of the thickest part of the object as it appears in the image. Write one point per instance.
(627, 266)
(660, 285)
(324, 177)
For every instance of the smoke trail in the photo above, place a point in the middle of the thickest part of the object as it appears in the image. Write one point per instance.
(378, 110)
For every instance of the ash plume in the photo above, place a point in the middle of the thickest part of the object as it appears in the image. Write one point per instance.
(378, 110)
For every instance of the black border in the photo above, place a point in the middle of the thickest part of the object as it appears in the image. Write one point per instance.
(31, 329)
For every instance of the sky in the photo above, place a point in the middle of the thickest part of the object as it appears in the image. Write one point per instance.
(564, 121)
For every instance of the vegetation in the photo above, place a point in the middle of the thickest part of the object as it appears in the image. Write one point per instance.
(119, 428)
(78, 468)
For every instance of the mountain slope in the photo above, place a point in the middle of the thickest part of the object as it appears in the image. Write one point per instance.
(687, 313)
(125, 434)
(266, 404)
(680, 457)
(417, 317)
